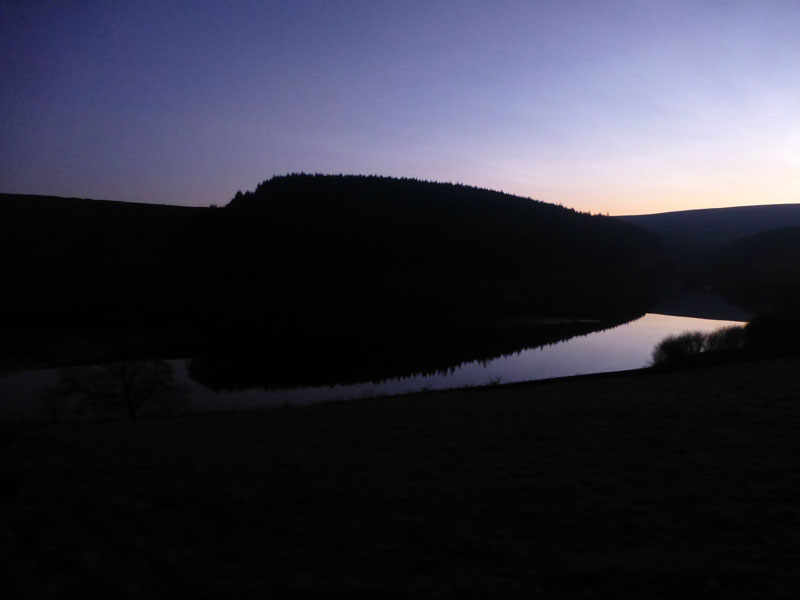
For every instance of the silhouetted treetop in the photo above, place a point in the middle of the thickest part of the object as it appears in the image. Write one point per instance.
(378, 192)
(422, 225)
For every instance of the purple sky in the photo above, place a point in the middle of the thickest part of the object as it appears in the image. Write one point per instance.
(620, 107)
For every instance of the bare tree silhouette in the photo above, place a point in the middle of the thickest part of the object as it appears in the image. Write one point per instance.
(135, 387)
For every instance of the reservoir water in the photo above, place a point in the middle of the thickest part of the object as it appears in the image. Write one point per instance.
(627, 346)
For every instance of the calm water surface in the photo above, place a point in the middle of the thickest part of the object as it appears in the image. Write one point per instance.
(627, 346)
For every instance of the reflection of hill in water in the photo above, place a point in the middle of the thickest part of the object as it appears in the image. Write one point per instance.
(399, 355)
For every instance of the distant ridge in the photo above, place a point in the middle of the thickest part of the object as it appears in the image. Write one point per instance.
(748, 254)
(717, 225)
(762, 270)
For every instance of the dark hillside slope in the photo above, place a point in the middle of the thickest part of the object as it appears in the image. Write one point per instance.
(69, 262)
(721, 249)
(717, 225)
(312, 261)
(761, 271)
(456, 246)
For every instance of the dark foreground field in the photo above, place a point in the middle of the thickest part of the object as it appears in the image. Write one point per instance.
(641, 485)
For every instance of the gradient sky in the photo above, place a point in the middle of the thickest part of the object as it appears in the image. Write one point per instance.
(604, 106)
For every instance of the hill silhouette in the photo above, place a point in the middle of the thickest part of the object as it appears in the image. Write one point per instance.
(348, 262)
(709, 226)
(432, 242)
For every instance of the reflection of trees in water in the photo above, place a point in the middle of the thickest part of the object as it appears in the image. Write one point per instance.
(342, 361)
(137, 388)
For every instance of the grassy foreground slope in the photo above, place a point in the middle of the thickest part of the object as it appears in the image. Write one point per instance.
(656, 485)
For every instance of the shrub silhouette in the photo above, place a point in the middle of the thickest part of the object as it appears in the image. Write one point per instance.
(678, 349)
(726, 339)
(683, 349)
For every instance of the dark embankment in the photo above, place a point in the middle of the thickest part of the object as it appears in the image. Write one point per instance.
(656, 485)
(349, 265)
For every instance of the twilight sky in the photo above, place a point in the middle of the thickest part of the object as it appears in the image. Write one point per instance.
(605, 106)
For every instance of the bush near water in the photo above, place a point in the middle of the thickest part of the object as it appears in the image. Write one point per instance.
(768, 335)
(685, 348)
